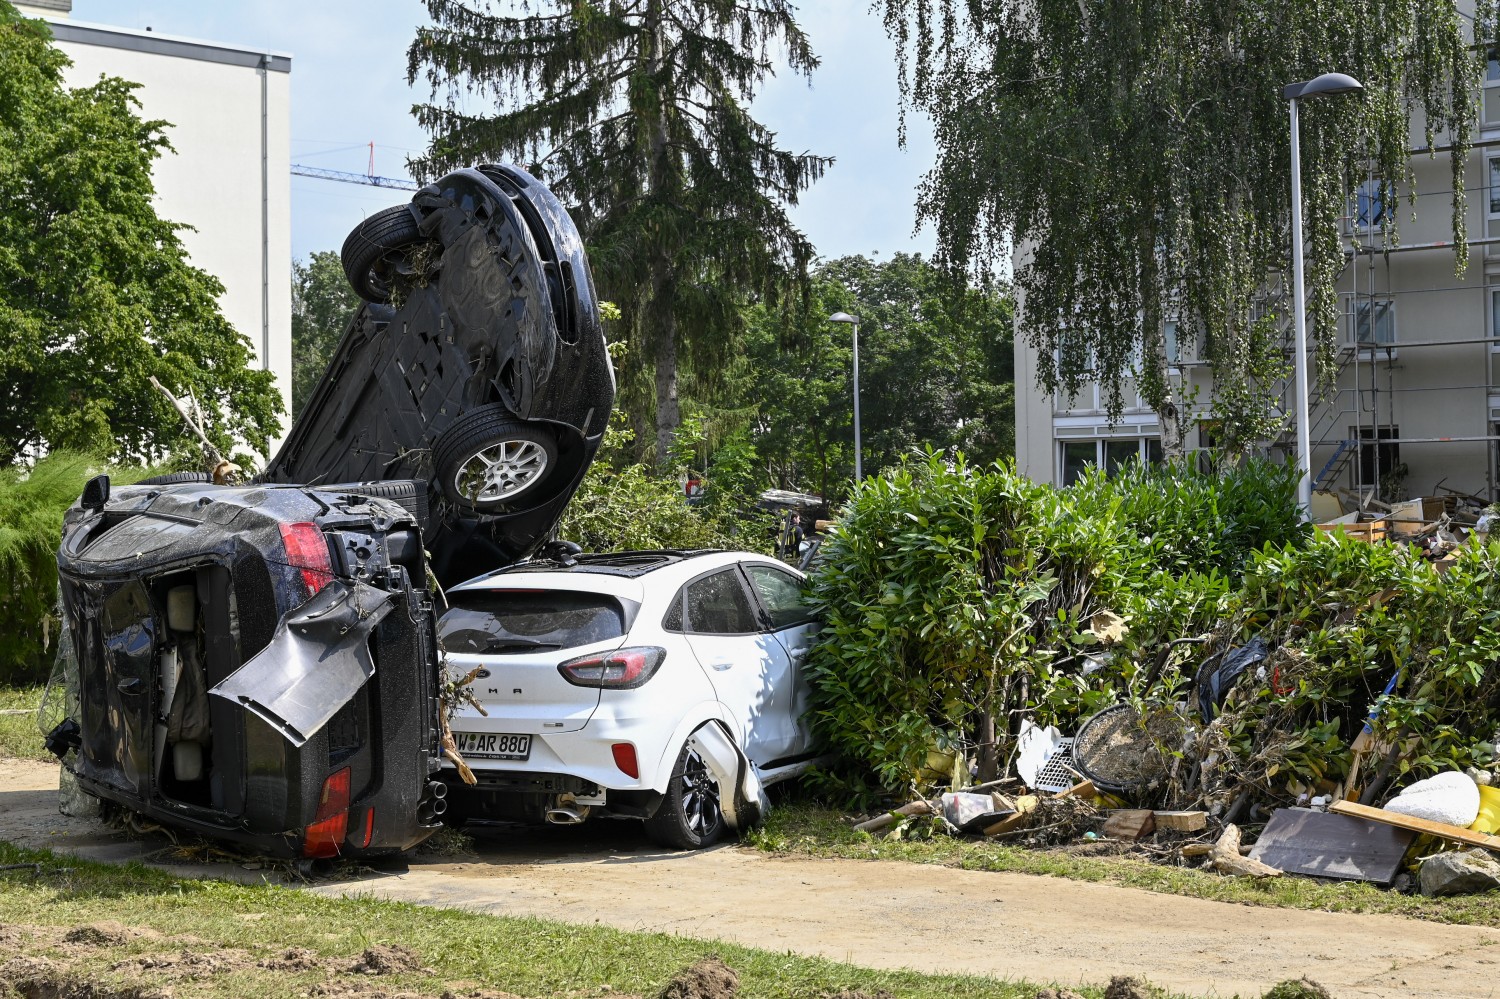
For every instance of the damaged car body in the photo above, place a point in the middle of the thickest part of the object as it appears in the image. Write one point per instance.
(238, 649)
(258, 663)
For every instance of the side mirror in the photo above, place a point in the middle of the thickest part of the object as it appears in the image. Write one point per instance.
(95, 493)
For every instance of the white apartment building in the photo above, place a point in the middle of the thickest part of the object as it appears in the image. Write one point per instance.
(230, 177)
(1419, 354)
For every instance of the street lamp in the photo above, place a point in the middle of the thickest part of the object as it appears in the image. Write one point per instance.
(844, 317)
(1328, 83)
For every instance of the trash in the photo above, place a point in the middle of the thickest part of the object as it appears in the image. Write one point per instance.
(1226, 858)
(1462, 872)
(1034, 747)
(1181, 821)
(879, 822)
(1212, 684)
(1108, 627)
(1454, 834)
(1488, 819)
(1025, 805)
(963, 809)
(1449, 797)
(1120, 752)
(1303, 841)
(1129, 823)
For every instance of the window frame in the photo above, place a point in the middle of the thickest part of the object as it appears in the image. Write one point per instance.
(763, 608)
(679, 602)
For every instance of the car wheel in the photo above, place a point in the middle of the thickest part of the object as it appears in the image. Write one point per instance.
(690, 816)
(378, 250)
(488, 459)
(175, 478)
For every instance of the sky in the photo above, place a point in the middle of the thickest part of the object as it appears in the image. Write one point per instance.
(349, 89)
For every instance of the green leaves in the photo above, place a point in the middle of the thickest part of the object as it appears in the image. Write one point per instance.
(96, 291)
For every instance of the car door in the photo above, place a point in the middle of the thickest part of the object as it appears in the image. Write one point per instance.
(792, 624)
(749, 668)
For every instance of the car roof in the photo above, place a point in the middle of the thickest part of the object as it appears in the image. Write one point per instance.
(620, 573)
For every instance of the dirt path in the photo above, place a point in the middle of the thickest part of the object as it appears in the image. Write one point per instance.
(877, 914)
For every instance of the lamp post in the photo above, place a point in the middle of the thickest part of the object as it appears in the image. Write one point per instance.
(1328, 83)
(844, 317)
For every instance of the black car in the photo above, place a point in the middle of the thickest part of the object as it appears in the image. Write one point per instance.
(257, 662)
(477, 363)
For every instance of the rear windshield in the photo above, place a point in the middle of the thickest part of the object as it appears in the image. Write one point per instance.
(499, 622)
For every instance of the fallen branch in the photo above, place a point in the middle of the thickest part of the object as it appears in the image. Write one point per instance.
(880, 822)
(1226, 858)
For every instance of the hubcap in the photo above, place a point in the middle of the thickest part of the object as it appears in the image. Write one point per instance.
(501, 471)
(700, 796)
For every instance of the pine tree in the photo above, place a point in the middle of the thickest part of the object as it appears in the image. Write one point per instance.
(635, 113)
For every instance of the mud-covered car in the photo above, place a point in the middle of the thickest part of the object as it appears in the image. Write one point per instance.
(254, 663)
(477, 364)
(258, 662)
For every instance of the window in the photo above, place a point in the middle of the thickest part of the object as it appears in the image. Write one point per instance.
(1174, 348)
(501, 622)
(1113, 452)
(1495, 319)
(1387, 455)
(1374, 204)
(1495, 187)
(718, 605)
(781, 592)
(1492, 92)
(1384, 325)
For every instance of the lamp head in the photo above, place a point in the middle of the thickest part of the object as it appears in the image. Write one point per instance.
(1328, 83)
(843, 317)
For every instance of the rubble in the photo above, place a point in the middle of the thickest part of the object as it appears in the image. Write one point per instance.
(1466, 872)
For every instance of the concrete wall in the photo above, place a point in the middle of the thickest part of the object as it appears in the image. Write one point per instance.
(230, 178)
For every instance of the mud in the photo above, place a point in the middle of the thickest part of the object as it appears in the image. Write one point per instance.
(1129, 987)
(709, 978)
(382, 960)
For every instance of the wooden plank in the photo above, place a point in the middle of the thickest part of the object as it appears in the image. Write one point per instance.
(1454, 834)
(1182, 821)
(1326, 845)
(879, 822)
(1129, 823)
(1084, 789)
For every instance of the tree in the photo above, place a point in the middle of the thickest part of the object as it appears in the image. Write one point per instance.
(96, 292)
(635, 112)
(936, 371)
(322, 302)
(1137, 154)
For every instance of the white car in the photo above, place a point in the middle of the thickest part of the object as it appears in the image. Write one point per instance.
(662, 685)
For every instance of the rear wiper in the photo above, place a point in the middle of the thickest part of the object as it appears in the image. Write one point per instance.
(513, 645)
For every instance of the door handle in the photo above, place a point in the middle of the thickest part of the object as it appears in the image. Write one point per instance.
(131, 685)
(800, 650)
(721, 664)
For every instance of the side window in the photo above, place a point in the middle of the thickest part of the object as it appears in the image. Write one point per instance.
(781, 592)
(673, 620)
(718, 605)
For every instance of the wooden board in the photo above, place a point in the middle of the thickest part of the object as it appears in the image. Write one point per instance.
(1325, 845)
(1129, 823)
(1182, 821)
(1454, 834)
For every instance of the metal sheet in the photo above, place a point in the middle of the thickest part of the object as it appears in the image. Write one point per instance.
(317, 660)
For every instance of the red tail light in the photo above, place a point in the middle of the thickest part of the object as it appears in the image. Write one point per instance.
(623, 669)
(325, 834)
(307, 550)
(624, 754)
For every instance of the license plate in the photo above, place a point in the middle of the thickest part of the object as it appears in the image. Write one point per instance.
(493, 745)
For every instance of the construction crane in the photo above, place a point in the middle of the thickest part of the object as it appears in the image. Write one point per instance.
(345, 177)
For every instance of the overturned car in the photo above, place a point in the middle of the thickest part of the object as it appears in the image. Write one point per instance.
(258, 663)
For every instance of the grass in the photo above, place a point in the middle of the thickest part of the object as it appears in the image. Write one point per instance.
(18, 733)
(463, 950)
(814, 831)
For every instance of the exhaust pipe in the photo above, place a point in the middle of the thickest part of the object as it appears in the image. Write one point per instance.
(567, 815)
(439, 806)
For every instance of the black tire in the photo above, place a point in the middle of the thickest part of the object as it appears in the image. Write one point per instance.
(487, 459)
(690, 816)
(175, 478)
(378, 250)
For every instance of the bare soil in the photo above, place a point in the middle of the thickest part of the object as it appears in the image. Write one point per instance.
(876, 914)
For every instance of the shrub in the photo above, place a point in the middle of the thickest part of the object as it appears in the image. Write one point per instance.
(955, 598)
(633, 508)
(31, 512)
